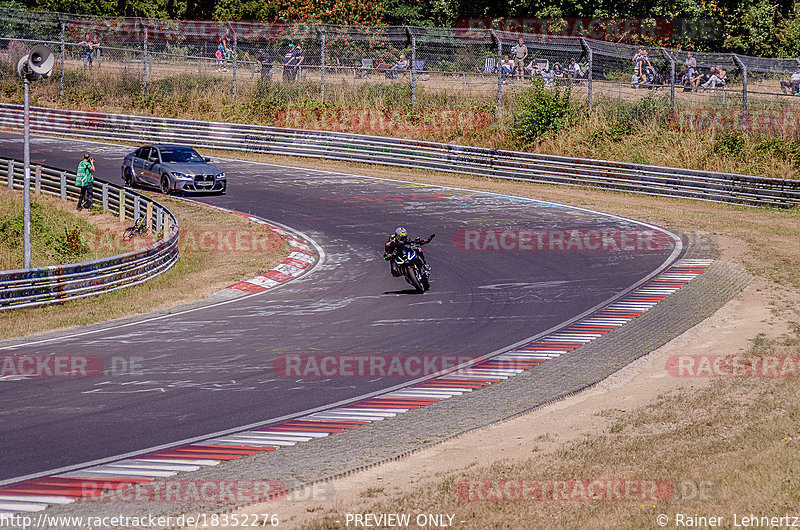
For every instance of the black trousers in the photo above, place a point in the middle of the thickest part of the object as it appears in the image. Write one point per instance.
(85, 198)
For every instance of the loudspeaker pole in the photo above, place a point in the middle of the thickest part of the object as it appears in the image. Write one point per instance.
(38, 63)
(26, 214)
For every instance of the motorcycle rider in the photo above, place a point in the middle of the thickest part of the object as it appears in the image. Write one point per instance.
(396, 242)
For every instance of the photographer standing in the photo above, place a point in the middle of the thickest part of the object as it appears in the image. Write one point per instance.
(84, 179)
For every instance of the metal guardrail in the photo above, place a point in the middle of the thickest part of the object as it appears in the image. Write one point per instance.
(59, 283)
(494, 163)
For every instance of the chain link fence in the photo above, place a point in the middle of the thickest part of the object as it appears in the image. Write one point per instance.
(323, 62)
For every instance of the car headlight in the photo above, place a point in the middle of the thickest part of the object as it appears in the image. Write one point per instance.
(221, 176)
(181, 176)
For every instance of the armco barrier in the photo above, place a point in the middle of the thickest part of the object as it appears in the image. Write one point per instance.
(511, 165)
(59, 283)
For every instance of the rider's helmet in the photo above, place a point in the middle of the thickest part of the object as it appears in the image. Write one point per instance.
(401, 234)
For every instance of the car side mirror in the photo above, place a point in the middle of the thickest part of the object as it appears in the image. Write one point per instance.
(207, 159)
(153, 159)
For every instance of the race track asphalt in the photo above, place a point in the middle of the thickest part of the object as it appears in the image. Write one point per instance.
(211, 369)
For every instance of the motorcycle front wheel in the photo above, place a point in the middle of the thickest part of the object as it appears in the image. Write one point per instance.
(413, 278)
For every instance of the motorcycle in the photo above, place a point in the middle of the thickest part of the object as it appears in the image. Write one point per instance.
(410, 265)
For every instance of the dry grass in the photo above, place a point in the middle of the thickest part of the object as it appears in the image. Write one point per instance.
(728, 449)
(206, 264)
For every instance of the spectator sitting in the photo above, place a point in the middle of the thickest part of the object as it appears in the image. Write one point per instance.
(574, 69)
(558, 71)
(700, 79)
(717, 77)
(506, 68)
(401, 65)
(549, 77)
(533, 69)
(793, 84)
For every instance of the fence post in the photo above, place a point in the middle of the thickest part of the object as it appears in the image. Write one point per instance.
(589, 73)
(122, 204)
(37, 186)
(744, 90)
(10, 174)
(63, 185)
(499, 73)
(413, 72)
(105, 197)
(322, 66)
(144, 63)
(159, 219)
(63, 54)
(235, 60)
(137, 208)
(149, 214)
(671, 77)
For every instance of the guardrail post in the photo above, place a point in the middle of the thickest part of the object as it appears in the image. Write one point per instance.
(105, 197)
(37, 177)
(63, 185)
(149, 215)
(167, 227)
(136, 207)
(122, 205)
(10, 174)
(159, 221)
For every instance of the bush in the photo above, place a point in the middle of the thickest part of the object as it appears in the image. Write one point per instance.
(731, 143)
(542, 110)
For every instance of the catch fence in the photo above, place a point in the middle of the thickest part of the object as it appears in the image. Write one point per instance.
(404, 59)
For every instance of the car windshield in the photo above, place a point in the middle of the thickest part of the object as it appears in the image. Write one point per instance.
(180, 154)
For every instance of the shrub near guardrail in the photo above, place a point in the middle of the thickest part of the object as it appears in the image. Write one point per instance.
(59, 283)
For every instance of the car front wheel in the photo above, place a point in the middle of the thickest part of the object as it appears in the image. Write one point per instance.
(165, 185)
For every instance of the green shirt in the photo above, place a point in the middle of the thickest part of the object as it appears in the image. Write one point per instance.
(84, 175)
